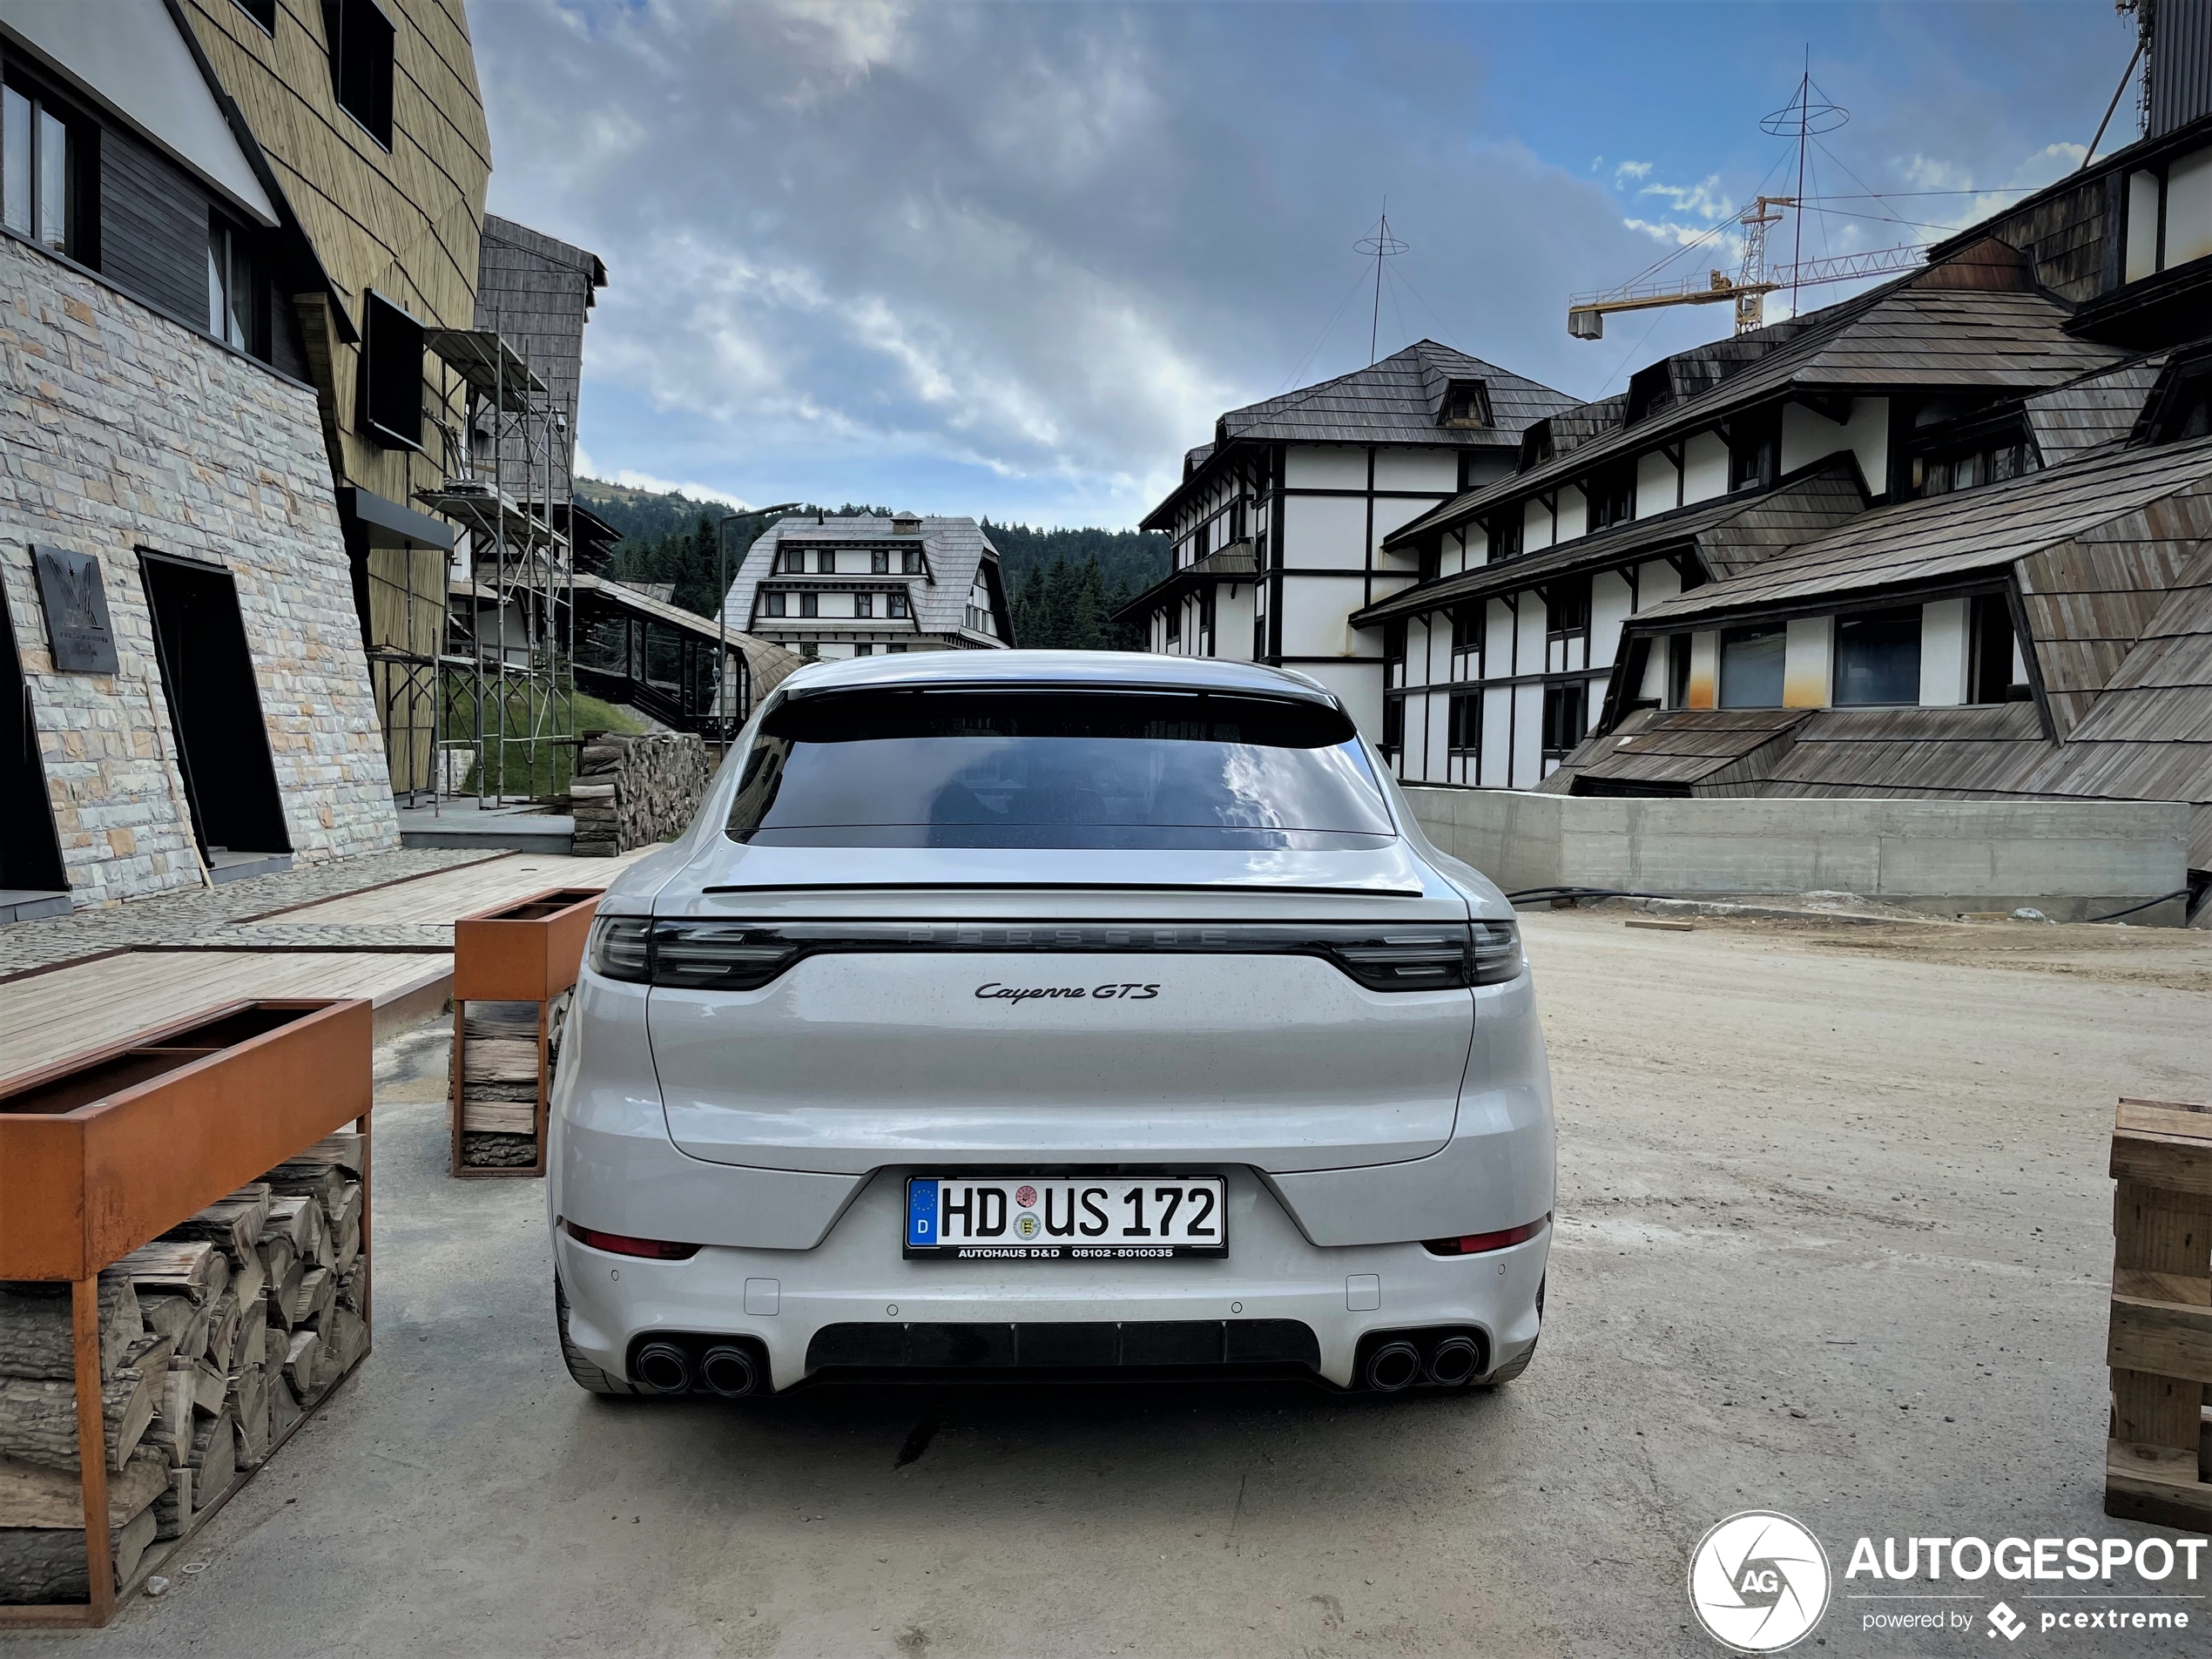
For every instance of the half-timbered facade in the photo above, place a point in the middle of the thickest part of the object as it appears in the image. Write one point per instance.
(835, 587)
(1279, 527)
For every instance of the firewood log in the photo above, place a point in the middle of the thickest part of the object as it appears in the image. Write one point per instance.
(353, 1286)
(281, 1294)
(348, 1212)
(38, 1417)
(176, 1390)
(193, 1268)
(302, 1363)
(172, 1510)
(283, 1406)
(324, 1183)
(348, 1248)
(38, 1340)
(214, 1458)
(181, 1319)
(33, 1494)
(293, 1220)
(223, 1322)
(42, 1565)
(253, 1334)
(211, 1385)
(318, 1290)
(348, 1340)
(249, 1277)
(499, 1117)
(250, 1411)
(232, 1223)
(346, 1149)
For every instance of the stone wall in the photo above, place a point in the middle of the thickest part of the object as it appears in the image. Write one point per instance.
(631, 792)
(2068, 858)
(120, 429)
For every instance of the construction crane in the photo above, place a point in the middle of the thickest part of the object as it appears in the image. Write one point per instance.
(1748, 289)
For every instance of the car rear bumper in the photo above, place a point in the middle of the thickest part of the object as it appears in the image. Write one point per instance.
(852, 1304)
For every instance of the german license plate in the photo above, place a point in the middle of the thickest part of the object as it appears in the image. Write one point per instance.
(1058, 1218)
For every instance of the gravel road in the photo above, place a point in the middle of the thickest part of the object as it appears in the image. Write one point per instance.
(1834, 1239)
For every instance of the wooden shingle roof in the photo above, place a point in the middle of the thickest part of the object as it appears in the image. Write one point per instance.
(1923, 541)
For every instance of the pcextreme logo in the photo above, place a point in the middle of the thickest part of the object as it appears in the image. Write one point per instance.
(1758, 1582)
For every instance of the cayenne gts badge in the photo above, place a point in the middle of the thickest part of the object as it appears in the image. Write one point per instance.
(995, 992)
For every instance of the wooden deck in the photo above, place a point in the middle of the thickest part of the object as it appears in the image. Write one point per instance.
(50, 1013)
(440, 897)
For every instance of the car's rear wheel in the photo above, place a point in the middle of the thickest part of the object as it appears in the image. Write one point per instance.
(589, 1377)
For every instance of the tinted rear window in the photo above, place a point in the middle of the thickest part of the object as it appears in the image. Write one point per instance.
(1062, 769)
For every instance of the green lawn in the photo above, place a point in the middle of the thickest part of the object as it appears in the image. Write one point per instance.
(516, 767)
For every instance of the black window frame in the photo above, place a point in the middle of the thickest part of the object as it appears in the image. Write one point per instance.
(1567, 607)
(1609, 496)
(363, 44)
(242, 258)
(895, 605)
(263, 13)
(910, 561)
(1893, 616)
(771, 603)
(391, 374)
(80, 167)
(1504, 528)
(1566, 718)
(1463, 725)
(1754, 449)
(1744, 636)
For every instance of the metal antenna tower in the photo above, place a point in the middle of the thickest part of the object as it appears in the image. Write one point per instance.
(1383, 246)
(1808, 112)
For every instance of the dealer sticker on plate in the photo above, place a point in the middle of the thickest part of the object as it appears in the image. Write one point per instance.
(1054, 1218)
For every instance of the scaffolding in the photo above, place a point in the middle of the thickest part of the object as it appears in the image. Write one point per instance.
(504, 682)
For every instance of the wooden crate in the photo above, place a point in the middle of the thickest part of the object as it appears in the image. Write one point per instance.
(2158, 1463)
(106, 1151)
(527, 950)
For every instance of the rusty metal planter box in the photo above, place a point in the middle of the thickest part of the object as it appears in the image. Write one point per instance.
(109, 1149)
(526, 950)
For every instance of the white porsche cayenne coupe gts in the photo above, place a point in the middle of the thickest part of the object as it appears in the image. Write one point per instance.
(1039, 1013)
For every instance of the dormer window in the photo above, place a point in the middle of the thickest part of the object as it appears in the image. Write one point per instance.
(1467, 403)
(1943, 456)
(906, 527)
(1535, 445)
(1649, 391)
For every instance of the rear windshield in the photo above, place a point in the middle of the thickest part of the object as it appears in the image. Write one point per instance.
(1064, 769)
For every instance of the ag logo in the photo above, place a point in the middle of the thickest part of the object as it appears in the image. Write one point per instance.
(1758, 1582)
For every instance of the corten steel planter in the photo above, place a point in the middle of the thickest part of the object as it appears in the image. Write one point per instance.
(109, 1149)
(526, 950)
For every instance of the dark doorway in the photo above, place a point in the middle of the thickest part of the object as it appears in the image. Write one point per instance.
(222, 747)
(31, 855)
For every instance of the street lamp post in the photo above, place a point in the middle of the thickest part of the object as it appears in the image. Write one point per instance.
(721, 607)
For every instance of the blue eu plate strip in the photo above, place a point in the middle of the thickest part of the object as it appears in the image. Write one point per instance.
(921, 1214)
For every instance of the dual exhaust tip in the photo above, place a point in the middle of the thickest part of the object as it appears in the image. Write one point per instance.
(722, 1368)
(1442, 1359)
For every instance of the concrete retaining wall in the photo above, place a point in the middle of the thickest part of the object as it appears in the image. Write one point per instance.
(2068, 858)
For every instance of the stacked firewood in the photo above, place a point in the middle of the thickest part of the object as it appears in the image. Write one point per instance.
(630, 791)
(214, 1340)
(499, 1084)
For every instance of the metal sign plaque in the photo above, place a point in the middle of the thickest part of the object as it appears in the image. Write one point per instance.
(76, 620)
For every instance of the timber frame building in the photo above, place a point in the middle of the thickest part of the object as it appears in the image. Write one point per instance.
(1280, 526)
(1950, 538)
(832, 587)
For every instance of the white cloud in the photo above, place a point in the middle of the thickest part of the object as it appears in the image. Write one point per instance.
(1638, 170)
(1704, 198)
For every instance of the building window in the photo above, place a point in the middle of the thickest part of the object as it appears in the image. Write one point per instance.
(1973, 463)
(1175, 622)
(894, 605)
(1566, 709)
(44, 168)
(1206, 621)
(879, 561)
(1751, 661)
(1393, 731)
(864, 651)
(1566, 608)
(238, 292)
(1464, 722)
(1394, 653)
(900, 648)
(1200, 540)
(391, 375)
(1612, 496)
(791, 560)
(262, 11)
(1467, 640)
(1997, 672)
(1878, 657)
(1754, 449)
(910, 561)
(1504, 529)
(863, 605)
(360, 37)
(1677, 671)
(825, 562)
(810, 604)
(772, 605)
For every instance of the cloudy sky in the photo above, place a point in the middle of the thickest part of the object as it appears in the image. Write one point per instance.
(1014, 259)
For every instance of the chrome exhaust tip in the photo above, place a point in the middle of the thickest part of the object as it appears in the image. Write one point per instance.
(1392, 1366)
(1454, 1362)
(664, 1368)
(728, 1371)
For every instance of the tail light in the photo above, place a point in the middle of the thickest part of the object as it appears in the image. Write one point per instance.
(745, 956)
(659, 1250)
(1483, 1243)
